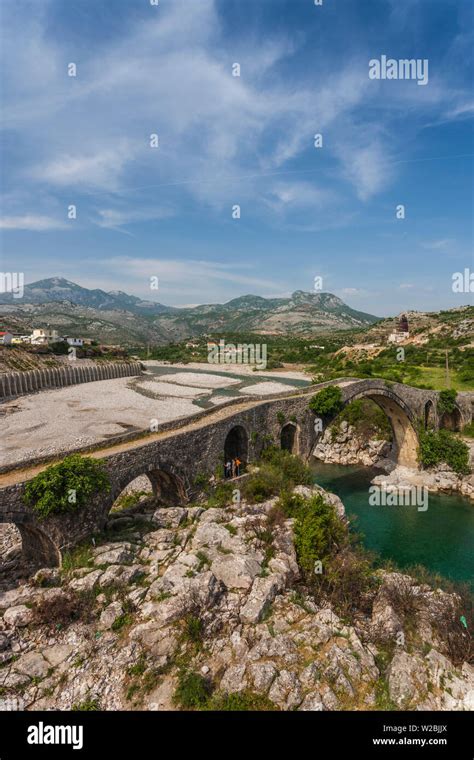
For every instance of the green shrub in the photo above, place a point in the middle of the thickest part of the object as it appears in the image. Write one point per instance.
(129, 500)
(90, 704)
(436, 446)
(65, 487)
(244, 701)
(221, 495)
(193, 630)
(263, 484)
(294, 470)
(468, 430)
(447, 401)
(201, 480)
(192, 692)
(367, 418)
(327, 402)
(318, 531)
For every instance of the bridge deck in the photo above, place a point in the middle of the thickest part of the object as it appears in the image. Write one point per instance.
(22, 474)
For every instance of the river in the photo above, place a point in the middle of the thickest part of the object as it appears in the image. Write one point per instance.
(441, 539)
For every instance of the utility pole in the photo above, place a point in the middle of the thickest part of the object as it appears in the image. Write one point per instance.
(448, 379)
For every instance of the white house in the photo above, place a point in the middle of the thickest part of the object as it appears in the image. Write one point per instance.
(5, 337)
(42, 336)
(77, 342)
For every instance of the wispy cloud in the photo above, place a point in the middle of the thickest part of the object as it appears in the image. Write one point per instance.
(438, 245)
(31, 222)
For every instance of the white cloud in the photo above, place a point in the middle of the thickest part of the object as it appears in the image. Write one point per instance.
(366, 166)
(113, 218)
(437, 245)
(220, 136)
(101, 169)
(31, 222)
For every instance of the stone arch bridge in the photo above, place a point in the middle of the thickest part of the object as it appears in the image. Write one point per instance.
(173, 459)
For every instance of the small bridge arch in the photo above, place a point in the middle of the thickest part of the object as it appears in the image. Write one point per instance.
(168, 488)
(451, 420)
(429, 415)
(236, 444)
(289, 437)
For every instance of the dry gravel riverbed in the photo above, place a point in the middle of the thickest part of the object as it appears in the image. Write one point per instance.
(44, 424)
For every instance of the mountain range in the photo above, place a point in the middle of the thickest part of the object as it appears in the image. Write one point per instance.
(117, 317)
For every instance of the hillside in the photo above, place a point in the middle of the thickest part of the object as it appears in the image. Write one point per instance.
(116, 317)
(57, 289)
(426, 328)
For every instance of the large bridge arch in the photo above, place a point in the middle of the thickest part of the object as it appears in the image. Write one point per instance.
(405, 439)
(401, 417)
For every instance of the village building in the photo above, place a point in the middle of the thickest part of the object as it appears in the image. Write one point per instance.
(401, 332)
(43, 336)
(18, 339)
(5, 337)
(76, 342)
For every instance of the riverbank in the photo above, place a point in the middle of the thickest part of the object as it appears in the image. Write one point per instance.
(441, 479)
(344, 444)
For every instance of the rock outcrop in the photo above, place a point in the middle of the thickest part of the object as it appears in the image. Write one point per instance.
(437, 479)
(216, 592)
(343, 445)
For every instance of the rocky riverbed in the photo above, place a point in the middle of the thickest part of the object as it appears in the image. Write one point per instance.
(343, 445)
(440, 479)
(218, 594)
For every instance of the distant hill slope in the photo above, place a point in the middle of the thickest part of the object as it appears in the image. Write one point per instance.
(117, 317)
(425, 327)
(58, 289)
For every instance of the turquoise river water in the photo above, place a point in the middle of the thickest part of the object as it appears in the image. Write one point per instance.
(441, 539)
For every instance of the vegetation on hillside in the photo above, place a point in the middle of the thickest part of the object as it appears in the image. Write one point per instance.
(437, 446)
(65, 487)
(423, 366)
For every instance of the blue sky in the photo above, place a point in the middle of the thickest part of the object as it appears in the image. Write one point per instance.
(248, 140)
